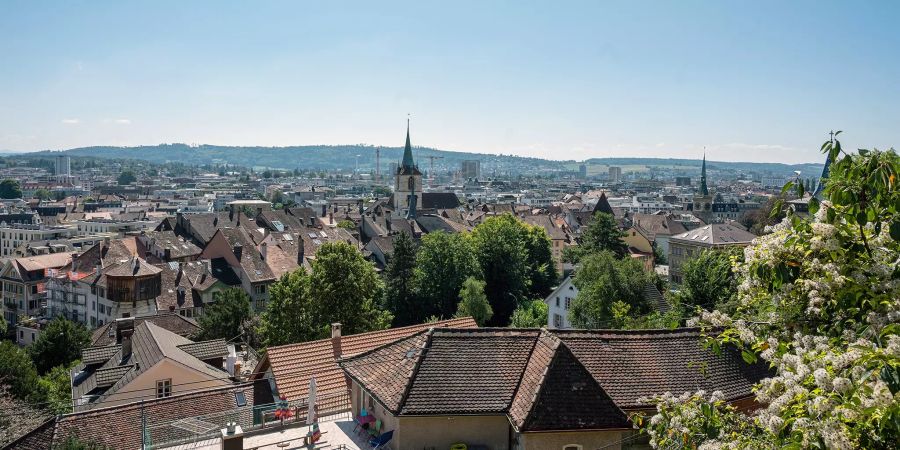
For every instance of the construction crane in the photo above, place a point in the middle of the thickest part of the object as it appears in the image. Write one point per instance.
(431, 170)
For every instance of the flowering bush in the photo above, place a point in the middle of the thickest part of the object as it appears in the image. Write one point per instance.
(819, 300)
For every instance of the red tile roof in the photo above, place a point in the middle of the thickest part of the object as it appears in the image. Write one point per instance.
(294, 364)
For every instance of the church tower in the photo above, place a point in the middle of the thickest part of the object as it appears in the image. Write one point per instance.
(407, 183)
(703, 201)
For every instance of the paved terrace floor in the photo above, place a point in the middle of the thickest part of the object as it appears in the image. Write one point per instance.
(337, 434)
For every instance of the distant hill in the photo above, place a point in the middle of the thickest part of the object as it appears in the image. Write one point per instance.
(332, 157)
(307, 156)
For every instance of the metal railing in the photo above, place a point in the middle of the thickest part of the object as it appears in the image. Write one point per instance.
(168, 432)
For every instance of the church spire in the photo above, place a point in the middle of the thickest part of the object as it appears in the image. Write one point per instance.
(408, 162)
(704, 190)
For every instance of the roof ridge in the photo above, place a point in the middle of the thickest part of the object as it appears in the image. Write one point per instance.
(386, 330)
(522, 374)
(175, 396)
(342, 360)
(415, 371)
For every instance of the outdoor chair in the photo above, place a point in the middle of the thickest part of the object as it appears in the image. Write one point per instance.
(376, 430)
(382, 440)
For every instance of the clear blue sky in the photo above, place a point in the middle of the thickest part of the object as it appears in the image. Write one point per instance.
(751, 81)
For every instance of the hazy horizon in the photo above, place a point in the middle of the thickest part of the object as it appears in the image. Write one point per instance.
(760, 82)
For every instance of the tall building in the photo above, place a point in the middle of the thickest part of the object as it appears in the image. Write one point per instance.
(407, 182)
(615, 174)
(703, 201)
(471, 168)
(582, 171)
(63, 166)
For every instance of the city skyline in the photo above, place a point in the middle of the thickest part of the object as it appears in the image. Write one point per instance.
(583, 81)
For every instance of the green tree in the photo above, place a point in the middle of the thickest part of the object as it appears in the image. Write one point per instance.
(400, 296)
(708, 280)
(443, 262)
(17, 371)
(473, 302)
(59, 344)
(347, 225)
(126, 177)
(530, 315)
(602, 280)
(541, 267)
(43, 194)
(73, 442)
(602, 234)
(499, 244)
(346, 289)
(223, 318)
(818, 304)
(56, 389)
(290, 315)
(9, 188)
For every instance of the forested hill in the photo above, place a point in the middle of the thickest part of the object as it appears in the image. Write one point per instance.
(330, 157)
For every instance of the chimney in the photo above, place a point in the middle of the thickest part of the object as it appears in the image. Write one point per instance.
(124, 331)
(231, 214)
(216, 221)
(330, 218)
(263, 250)
(238, 250)
(336, 339)
(300, 250)
(324, 210)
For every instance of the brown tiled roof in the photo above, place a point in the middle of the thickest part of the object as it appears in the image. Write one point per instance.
(42, 262)
(133, 267)
(175, 323)
(653, 225)
(545, 380)
(105, 253)
(640, 363)
(469, 372)
(177, 246)
(294, 364)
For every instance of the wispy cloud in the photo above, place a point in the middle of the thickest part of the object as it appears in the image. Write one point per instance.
(70, 121)
(117, 121)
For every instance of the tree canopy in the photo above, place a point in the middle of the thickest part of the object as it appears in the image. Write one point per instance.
(224, 317)
(59, 344)
(290, 315)
(708, 279)
(10, 188)
(530, 315)
(601, 234)
(400, 296)
(602, 280)
(126, 177)
(443, 262)
(516, 263)
(473, 302)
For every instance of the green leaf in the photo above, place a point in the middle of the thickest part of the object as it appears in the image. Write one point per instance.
(787, 187)
(748, 357)
(895, 230)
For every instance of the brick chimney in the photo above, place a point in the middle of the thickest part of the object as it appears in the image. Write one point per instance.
(238, 250)
(336, 339)
(263, 250)
(124, 331)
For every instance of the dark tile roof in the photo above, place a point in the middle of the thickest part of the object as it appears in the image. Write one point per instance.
(439, 200)
(641, 363)
(177, 246)
(180, 325)
(545, 380)
(204, 350)
(133, 267)
(99, 355)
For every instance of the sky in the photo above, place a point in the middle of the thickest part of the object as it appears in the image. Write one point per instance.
(747, 81)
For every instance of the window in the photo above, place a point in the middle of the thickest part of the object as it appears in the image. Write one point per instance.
(557, 302)
(568, 303)
(164, 388)
(557, 321)
(572, 447)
